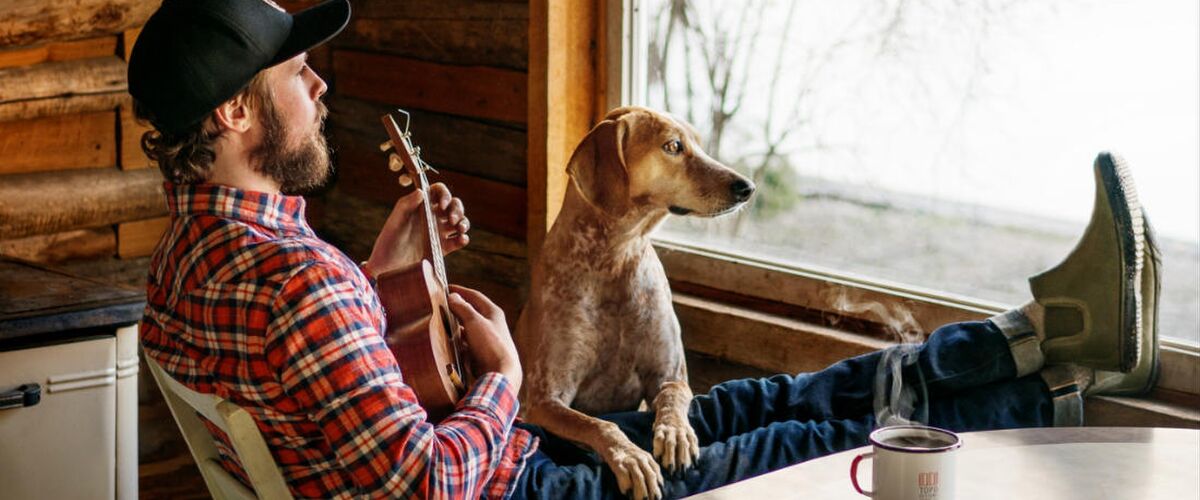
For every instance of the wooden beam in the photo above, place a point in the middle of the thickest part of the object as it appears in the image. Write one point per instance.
(130, 142)
(767, 342)
(483, 149)
(128, 38)
(489, 41)
(66, 78)
(478, 91)
(563, 81)
(138, 238)
(58, 247)
(492, 206)
(51, 106)
(50, 202)
(28, 22)
(85, 140)
(60, 51)
(439, 9)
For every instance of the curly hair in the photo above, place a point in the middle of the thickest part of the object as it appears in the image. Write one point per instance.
(186, 157)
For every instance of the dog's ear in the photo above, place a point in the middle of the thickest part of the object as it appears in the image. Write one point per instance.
(597, 168)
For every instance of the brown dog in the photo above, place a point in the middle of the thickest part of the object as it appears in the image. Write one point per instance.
(599, 334)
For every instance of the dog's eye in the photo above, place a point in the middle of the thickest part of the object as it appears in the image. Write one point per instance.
(673, 147)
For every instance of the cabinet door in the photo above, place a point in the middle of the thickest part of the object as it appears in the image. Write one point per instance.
(64, 446)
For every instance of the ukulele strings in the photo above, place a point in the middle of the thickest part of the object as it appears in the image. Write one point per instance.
(435, 245)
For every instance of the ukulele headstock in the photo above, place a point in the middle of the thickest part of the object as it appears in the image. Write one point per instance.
(405, 157)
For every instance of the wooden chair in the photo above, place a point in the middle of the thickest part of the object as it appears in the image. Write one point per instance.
(248, 443)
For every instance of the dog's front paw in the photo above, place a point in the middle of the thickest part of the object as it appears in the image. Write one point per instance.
(675, 443)
(637, 475)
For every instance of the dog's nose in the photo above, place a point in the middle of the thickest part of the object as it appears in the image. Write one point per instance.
(742, 189)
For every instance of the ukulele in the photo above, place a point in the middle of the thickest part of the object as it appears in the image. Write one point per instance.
(421, 332)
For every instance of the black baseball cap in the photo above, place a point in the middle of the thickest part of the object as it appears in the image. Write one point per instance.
(193, 55)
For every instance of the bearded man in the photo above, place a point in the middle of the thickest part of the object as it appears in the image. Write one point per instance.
(244, 301)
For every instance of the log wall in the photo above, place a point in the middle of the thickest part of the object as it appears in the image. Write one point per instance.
(73, 181)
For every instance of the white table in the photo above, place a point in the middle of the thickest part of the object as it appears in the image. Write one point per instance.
(1059, 463)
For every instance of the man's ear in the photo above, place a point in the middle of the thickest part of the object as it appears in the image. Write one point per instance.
(234, 114)
(597, 168)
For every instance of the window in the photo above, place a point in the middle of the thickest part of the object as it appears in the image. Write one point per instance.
(941, 149)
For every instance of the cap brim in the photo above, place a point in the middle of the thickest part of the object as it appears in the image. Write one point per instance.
(312, 27)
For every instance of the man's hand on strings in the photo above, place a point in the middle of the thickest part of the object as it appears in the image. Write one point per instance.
(401, 240)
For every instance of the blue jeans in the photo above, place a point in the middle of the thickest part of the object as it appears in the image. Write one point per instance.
(753, 426)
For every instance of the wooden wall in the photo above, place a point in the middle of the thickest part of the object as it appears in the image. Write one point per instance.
(73, 182)
(461, 68)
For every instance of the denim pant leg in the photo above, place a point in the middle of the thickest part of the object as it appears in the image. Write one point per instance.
(956, 357)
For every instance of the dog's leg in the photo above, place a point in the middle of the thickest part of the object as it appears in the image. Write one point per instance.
(675, 444)
(638, 476)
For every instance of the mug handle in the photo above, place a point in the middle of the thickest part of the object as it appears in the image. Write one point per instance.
(854, 473)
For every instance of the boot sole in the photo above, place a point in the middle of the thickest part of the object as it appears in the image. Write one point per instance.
(1133, 249)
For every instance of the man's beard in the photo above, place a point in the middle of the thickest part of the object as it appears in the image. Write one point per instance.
(298, 169)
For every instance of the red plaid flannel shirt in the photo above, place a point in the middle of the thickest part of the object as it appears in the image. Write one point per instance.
(245, 302)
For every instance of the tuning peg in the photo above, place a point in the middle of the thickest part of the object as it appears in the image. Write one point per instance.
(394, 163)
(405, 180)
(385, 146)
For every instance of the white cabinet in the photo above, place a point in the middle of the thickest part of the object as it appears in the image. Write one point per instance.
(79, 440)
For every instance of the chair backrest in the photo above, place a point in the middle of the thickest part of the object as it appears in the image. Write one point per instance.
(248, 443)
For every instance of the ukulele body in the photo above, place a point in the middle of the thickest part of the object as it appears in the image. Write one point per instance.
(419, 335)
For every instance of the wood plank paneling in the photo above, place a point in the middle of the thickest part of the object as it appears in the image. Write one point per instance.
(27, 22)
(439, 9)
(56, 79)
(138, 238)
(489, 41)
(491, 205)
(58, 247)
(38, 108)
(50, 202)
(128, 38)
(60, 51)
(86, 140)
(130, 143)
(477, 91)
(483, 149)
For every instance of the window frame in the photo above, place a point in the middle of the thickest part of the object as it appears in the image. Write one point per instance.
(791, 290)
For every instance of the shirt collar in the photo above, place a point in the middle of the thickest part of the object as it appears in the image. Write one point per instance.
(273, 211)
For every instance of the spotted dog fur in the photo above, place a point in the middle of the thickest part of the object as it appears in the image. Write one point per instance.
(599, 334)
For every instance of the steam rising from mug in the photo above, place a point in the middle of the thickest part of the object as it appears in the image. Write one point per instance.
(895, 398)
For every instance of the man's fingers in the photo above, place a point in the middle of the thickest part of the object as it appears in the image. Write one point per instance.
(439, 194)
(478, 300)
(454, 212)
(463, 309)
(408, 203)
(455, 243)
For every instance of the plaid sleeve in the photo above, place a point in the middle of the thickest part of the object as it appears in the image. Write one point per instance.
(329, 357)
